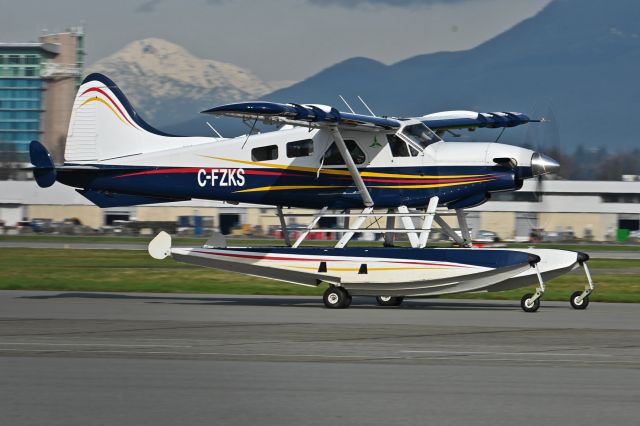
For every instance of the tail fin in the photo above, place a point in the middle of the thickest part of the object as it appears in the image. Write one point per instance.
(104, 125)
(44, 171)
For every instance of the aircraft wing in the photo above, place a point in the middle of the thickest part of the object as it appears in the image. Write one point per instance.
(307, 115)
(448, 120)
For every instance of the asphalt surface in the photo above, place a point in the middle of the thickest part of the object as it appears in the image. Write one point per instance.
(162, 359)
(623, 255)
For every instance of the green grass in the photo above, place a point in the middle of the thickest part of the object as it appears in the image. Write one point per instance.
(123, 271)
(120, 270)
(181, 241)
(586, 247)
(94, 239)
(196, 241)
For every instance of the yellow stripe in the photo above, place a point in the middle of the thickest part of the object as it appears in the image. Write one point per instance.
(95, 98)
(340, 172)
(429, 185)
(285, 187)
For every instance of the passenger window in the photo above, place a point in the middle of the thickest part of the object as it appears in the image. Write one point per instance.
(302, 148)
(332, 156)
(265, 153)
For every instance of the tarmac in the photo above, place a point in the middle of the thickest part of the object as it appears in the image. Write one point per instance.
(165, 359)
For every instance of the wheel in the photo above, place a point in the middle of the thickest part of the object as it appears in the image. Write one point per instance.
(336, 298)
(578, 305)
(389, 300)
(348, 300)
(527, 305)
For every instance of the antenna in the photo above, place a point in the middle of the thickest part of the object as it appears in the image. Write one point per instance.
(348, 106)
(367, 107)
(215, 131)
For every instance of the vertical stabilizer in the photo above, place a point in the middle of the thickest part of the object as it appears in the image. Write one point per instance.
(104, 125)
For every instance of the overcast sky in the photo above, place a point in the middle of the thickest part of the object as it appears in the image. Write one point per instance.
(276, 39)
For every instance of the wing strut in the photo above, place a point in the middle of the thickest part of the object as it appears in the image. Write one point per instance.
(355, 174)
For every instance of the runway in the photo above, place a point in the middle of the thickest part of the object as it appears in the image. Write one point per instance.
(164, 359)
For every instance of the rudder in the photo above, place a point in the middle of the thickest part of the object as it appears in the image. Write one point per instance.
(104, 125)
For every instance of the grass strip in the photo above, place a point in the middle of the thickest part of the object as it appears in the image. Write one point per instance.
(135, 271)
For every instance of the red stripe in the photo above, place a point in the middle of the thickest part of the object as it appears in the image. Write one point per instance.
(197, 169)
(97, 89)
(248, 256)
(470, 180)
(155, 172)
(301, 259)
(265, 173)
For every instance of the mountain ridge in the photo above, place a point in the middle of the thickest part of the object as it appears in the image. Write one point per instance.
(578, 57)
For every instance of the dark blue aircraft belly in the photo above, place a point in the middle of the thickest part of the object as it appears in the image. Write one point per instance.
(332, 188)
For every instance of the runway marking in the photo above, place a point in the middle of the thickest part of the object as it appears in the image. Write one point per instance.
(204, 353)
(361, 357)
(96, 344)
(505, 353)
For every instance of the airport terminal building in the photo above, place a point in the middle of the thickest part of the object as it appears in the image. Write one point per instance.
(591, 210)
(38, 81)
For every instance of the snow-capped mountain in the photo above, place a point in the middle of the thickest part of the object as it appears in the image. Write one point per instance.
(167, 84)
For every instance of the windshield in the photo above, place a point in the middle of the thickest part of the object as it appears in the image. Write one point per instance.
(420, 134)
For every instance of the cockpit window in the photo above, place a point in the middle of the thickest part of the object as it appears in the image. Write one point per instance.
(420, 134)
(400, 148)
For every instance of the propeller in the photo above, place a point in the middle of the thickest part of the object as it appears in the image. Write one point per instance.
(543, 136)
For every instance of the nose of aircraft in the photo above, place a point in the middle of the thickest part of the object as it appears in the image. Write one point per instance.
(541, 164)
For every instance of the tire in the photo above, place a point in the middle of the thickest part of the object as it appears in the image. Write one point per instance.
(527, 306)
(336, 298)
(574, 303)
(348, 300)
(389, 300)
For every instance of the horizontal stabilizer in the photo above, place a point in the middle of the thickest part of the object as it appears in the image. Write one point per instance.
(446, 120)
(306, 115)
(44, 171)
(104, 199)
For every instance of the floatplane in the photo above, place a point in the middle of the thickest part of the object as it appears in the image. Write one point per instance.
(359, 167)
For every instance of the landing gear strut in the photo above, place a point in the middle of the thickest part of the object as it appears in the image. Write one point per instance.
(336, 298)
(389, 300)
(531, 302)
(580, 299)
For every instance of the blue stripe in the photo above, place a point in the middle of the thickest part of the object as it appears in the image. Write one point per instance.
(482, 258)
(344, 195)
